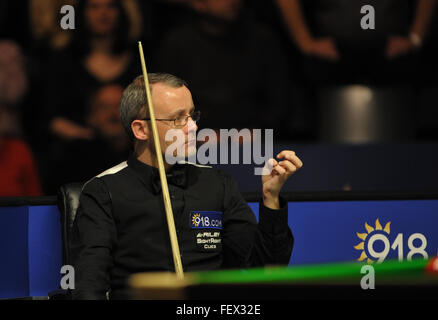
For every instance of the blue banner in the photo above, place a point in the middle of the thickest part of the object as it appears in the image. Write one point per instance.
(324, 231)
(366, 231)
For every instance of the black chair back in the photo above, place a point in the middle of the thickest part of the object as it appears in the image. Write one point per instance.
(68, 203)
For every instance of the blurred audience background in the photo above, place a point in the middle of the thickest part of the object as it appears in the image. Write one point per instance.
(304, 68)
(235, 65)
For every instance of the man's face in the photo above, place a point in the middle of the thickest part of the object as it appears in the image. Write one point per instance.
(101, 16)
(172, 103)
(105, 112)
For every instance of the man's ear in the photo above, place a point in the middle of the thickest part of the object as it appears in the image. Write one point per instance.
(140, 130)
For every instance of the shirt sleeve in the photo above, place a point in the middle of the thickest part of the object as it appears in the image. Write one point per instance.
(274, 234)
(247, 244)
(93, 239)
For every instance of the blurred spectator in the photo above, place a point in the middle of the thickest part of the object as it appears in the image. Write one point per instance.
(18, 174)
(160, 16)
(101, 52)
(13, 86)
(329, 34)
(79, 160)
(429, 54)
(45, 20)
(235, 66)
(104, 117)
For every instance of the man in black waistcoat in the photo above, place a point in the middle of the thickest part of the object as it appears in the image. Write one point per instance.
(121, 229)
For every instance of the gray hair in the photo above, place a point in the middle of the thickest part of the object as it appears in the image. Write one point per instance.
(134, 104)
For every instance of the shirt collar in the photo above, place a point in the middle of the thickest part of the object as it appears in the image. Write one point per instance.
(149, 175)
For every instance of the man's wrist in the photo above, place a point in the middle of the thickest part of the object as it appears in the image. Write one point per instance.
(271, 202)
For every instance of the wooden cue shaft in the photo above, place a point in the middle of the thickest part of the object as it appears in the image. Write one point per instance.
(167, 204)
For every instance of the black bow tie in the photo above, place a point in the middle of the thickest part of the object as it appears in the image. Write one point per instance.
(176, 177)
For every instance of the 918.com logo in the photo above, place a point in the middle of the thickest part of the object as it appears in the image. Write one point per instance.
(380, 234)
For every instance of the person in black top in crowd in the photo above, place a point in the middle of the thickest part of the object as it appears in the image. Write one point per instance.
(80, 159)
(101, 53)
(224, 39)
(337, 50)
(120, 228)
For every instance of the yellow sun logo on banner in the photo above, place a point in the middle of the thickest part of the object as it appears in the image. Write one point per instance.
(196, 218)
(366, 236)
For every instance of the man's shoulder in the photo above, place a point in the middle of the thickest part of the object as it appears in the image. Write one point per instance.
(118, 169)
(108, 176)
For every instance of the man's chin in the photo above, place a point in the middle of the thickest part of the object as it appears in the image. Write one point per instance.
(189, 155)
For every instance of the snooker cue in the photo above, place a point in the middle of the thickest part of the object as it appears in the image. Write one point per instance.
(167, 205)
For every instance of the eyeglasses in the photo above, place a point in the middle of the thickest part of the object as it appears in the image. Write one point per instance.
(182, 120)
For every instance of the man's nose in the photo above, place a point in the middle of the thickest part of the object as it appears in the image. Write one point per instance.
(191, 125)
